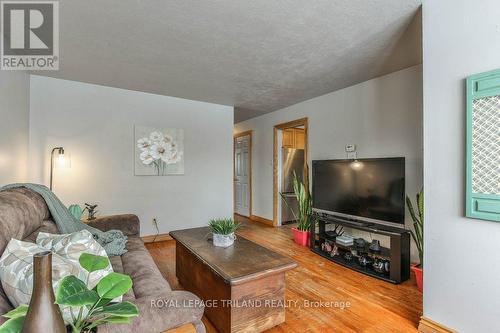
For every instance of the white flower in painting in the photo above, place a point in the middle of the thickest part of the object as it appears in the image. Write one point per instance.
(168, 139)
(161, 150)
(156, 137)
(175, 156)
(146, 157)
(167, 152)
(144, 144)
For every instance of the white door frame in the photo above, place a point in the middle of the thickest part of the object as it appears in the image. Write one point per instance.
(235, 137)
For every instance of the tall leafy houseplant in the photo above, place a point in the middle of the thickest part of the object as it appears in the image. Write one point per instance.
(90, 307)
(304, 214)
(418, 234)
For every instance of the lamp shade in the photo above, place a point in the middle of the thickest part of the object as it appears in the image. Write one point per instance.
(58, 159)
(63, 160)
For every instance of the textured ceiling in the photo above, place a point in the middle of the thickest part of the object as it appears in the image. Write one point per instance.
(257, 55)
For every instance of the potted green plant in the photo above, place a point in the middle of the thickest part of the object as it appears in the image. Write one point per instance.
(76, 211)
(91, 307)
(418, 236)
(223, 231)
(303, 215)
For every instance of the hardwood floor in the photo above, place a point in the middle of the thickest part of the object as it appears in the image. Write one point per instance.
(374, 305)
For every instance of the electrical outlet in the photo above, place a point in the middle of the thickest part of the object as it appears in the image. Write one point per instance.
(350, 148)
(155, 224)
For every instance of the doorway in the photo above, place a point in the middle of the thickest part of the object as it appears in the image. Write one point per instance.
(243, 173)
(290, 154)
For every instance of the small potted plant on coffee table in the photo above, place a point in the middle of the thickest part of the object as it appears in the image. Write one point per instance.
(223, 231)
(304, 214)
(418, 236)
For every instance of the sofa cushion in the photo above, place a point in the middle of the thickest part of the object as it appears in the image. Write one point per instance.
(5, 305)
(36, 200)
(137, 263)
(47, 226)
(21, 213)
(116, 263)
(162, 312)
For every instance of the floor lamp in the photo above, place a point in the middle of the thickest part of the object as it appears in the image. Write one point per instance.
(61, 161)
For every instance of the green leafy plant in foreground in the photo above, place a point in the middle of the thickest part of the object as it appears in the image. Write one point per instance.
(304, 214)
(15, 320)
(90, 307)
(223, 226)
(418, 224)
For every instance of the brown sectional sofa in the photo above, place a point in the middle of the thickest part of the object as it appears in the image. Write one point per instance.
(23, 214)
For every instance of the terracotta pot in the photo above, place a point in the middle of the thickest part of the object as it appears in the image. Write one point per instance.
(301, 237)
(419, 276)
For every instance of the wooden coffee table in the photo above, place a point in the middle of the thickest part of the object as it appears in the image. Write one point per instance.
(243, 286)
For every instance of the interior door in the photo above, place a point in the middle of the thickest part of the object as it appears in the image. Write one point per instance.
(241, 175)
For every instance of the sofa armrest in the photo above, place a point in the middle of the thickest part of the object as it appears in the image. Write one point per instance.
(161, 313)
(127, 223)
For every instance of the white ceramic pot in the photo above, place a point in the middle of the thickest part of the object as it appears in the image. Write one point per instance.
(223, 240)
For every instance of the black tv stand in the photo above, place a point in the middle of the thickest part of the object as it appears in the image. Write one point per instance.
(397, 255)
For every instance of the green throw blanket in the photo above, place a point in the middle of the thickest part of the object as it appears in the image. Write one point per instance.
(113, 241)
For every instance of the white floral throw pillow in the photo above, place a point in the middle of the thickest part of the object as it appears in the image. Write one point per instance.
(16, 264)
(70, 247)
(16, 272)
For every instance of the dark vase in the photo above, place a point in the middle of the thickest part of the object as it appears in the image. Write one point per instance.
(43, 314)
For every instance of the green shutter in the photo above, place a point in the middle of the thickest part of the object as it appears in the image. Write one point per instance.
(483, 146)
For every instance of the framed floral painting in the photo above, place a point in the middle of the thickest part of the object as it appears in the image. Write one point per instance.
(159, 151)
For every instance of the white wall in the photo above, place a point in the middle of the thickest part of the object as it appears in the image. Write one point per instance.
(95, 125)
(14, 122)
(462, 274)
(383, 117)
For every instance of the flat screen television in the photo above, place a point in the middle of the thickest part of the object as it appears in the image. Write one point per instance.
(371, 190)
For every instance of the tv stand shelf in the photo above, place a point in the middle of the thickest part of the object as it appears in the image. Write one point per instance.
(397, 255)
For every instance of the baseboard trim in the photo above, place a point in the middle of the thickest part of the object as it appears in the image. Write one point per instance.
(427, 325)
(167, 237)
(159, 238)
(259, 219)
